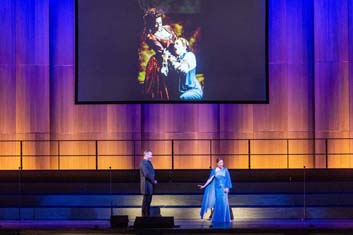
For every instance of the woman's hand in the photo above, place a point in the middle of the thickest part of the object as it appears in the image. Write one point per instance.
(201, 186)
(165, 55)
(226, 190)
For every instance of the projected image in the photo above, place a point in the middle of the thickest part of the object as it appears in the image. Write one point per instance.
(178, 51)
(168, 63)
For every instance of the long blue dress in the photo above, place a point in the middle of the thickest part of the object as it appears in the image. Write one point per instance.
(215, 197)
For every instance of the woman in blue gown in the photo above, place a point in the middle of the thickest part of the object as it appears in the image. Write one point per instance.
(216, 194)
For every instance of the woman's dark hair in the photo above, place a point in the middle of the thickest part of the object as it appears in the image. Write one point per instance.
(219, 159)
(150, 17)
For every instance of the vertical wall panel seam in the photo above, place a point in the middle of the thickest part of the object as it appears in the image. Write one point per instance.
(349, 6)
(313, 84)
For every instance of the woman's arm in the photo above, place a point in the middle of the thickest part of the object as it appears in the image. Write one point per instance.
(207, 182)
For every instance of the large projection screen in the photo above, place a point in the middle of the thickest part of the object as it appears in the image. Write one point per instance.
(171, 51)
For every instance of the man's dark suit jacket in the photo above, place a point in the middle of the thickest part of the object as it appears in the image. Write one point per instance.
(146, 177)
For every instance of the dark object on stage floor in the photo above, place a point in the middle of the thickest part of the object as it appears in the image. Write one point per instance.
(154, 222)
(119, 221)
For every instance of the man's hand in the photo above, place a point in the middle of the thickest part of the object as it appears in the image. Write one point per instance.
(155, 182)
(183, 67)
(172, 58)
(226, 190)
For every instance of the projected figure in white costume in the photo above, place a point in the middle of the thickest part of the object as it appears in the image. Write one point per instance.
(185, 66)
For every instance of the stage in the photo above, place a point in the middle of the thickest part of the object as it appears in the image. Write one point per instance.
(286, 135)
(273, 227)
(262, 201)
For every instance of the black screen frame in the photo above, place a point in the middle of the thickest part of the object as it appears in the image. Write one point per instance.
(266, 101)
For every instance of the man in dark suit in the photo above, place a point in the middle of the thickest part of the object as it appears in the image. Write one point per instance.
(147, 181)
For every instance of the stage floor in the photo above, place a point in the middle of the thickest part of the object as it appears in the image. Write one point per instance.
(273, 227)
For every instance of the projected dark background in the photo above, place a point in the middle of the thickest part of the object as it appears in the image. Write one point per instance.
(230, 48)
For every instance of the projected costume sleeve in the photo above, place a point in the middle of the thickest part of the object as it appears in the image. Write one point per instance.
(185, 63)
(209, 196)
(154, 43)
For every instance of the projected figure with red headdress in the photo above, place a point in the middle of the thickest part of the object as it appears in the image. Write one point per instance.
(160, 38)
